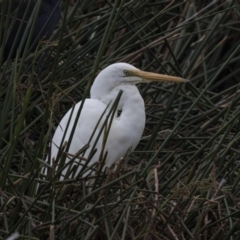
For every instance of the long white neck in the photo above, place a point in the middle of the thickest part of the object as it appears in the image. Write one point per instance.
(133, 114)
(127, 129)
(131, 104)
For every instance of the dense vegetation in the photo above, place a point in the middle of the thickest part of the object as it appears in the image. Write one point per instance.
(183, 180)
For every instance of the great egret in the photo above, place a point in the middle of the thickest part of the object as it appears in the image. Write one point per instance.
(21, 11)
(125, 130)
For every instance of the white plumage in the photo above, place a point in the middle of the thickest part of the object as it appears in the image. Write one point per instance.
(125, 131)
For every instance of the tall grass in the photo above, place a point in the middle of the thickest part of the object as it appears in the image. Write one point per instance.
(182, 182)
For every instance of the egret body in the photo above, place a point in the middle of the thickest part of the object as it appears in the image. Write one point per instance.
(125, 130)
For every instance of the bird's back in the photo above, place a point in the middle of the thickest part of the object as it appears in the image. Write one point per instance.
(120, 138)
(91, 114)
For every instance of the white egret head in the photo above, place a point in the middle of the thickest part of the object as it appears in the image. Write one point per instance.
(112, 76)
(119, 76)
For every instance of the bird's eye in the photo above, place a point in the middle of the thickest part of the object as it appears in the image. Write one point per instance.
(126, 72)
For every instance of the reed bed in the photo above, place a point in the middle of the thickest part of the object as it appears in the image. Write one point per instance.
(182, 182)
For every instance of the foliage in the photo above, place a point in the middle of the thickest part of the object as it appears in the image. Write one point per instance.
(182, 182)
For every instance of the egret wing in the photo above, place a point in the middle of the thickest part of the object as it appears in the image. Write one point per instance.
(91, 119)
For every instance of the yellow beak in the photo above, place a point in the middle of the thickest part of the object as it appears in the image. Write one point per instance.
(149, 76)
